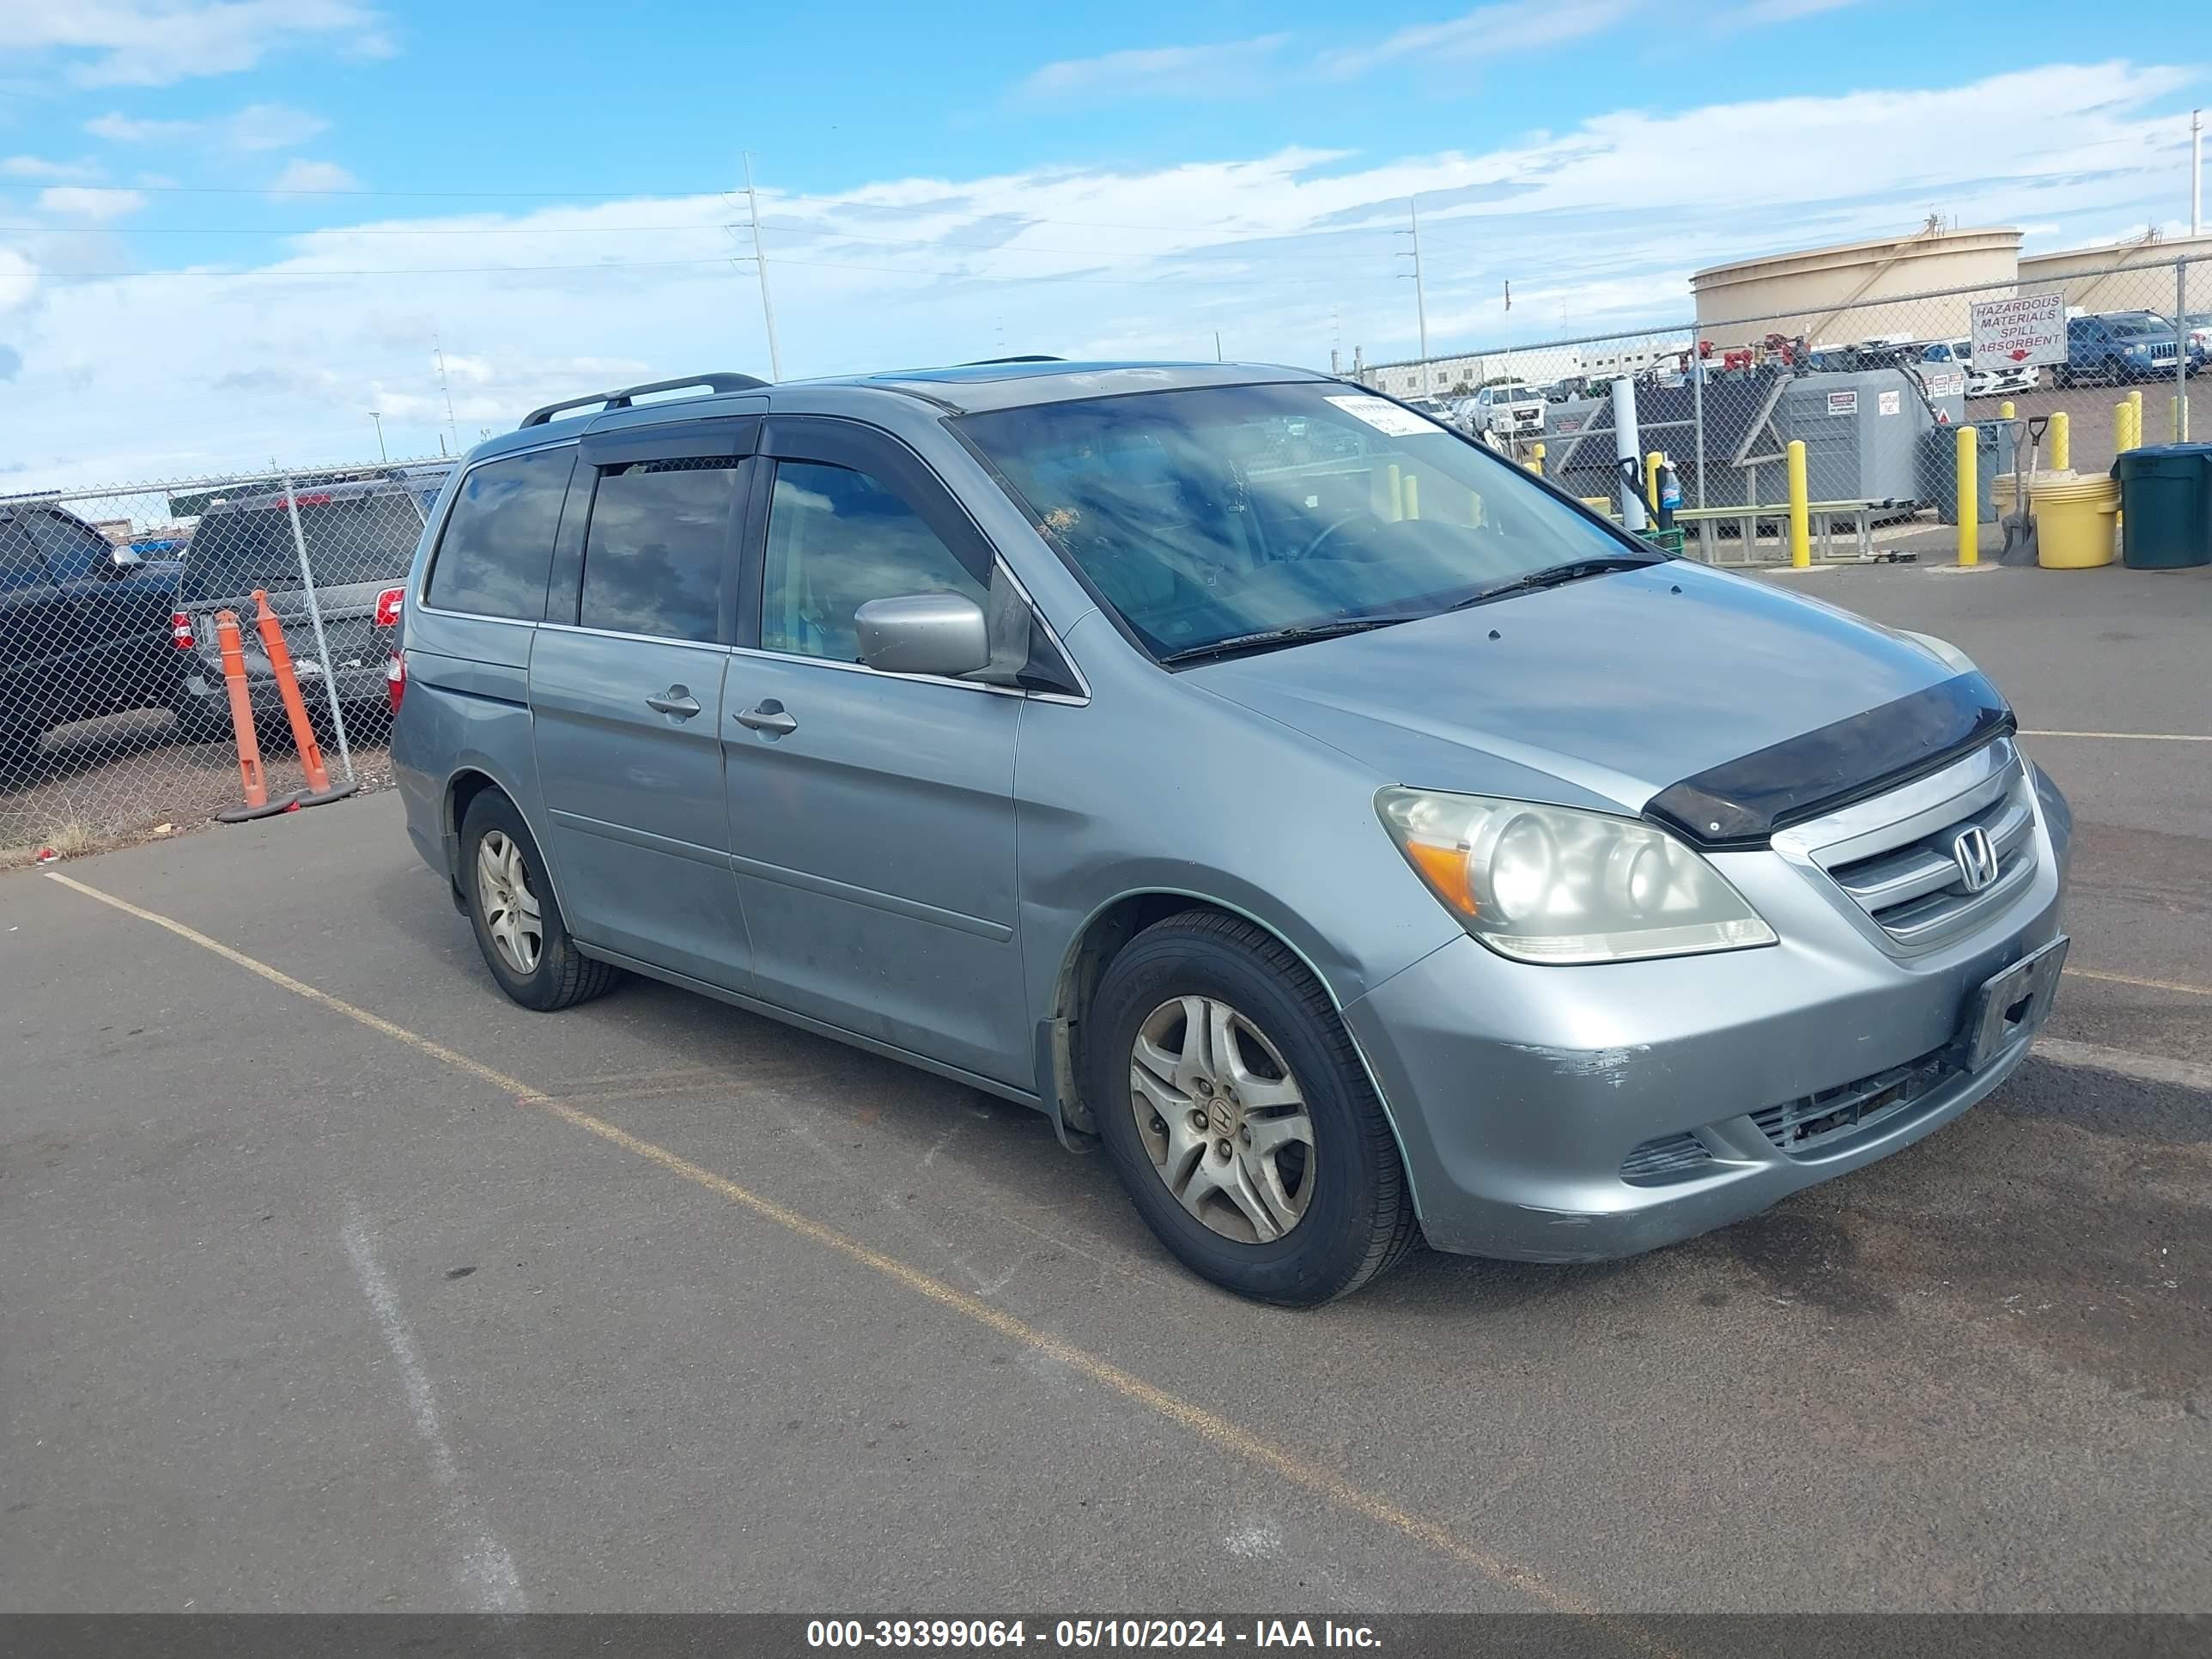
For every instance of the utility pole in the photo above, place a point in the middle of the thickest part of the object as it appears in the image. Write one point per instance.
(2196, 172)
(1421, 297)
(379, 419)
(438, 349)
(1217, 345)
(760, 264)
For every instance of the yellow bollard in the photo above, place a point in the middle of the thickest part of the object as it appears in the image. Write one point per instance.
(2062, 442)
(1536, 457)
(2120, 445)
(1800, 511)
(1411, 485)
(1394, 499)
(2134, 418)
(1969, 497)
(2006, 410)
(1651, 466)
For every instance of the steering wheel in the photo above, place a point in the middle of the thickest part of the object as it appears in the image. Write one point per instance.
(1329, 529)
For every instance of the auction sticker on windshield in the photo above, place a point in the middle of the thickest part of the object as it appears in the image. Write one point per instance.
(1385, 417)
(2016, 332)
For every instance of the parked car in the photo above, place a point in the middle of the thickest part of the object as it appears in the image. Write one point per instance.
(1509, 410)
(84, 627)
(1385, 847)
(2004, 380)
(359, 537)
(2116, 346)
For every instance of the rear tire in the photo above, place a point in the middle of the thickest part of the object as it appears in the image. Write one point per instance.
(518, 922)
(1297, 1226)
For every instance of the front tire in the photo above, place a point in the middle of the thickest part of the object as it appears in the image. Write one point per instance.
(518, 922)
(1238, 1117)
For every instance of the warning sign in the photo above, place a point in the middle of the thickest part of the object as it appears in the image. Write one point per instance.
(1890, 403)
(1842, 402)
(2019, 332)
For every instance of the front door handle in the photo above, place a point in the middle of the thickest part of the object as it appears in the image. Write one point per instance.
(767, 716)
(677, 700)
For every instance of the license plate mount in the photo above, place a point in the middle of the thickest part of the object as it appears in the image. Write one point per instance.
(2010, 1003)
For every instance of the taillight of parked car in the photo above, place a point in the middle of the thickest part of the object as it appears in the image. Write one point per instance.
(395, 681)
(388, 606)
(180, 630)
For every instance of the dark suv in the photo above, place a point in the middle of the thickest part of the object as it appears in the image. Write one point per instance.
(84, 627)
(359, 537)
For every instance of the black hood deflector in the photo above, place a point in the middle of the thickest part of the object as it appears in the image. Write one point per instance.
(1740, 803)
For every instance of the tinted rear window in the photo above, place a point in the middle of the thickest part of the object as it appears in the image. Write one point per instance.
(498, 544)
(661, 536)
(350, 538)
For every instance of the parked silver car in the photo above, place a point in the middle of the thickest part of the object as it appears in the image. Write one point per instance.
(1356, 835)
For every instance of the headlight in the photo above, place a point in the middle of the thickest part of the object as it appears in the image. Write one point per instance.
(1548, 884)
(1943, 650)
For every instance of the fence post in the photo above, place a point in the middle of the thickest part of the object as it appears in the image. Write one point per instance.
(2181, 350)
(1801, 516)
(1969, 498)
(2062, 442)
(322, 644)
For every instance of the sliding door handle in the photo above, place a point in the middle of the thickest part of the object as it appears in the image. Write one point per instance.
(767, 716)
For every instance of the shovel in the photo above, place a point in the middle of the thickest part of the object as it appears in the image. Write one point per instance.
(2020, 528)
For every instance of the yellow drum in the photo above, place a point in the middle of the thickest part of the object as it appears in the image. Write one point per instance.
(2074, 522)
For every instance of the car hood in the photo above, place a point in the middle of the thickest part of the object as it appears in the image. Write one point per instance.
(1600, 693)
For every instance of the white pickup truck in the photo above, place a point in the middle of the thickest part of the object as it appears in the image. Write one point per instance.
(1513, 409)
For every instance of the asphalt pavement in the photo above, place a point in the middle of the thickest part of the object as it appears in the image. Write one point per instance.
(332, 1281)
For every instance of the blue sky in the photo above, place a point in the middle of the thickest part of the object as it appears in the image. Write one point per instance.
(234, 227)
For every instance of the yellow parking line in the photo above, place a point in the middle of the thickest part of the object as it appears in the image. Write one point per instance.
(1211, 1426)
(2147, 984)
(2134, 737)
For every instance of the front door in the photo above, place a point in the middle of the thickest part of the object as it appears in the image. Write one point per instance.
(871, 815)
(626, 696)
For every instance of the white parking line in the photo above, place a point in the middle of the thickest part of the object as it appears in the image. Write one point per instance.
(2144, 1068)
(487, 1570)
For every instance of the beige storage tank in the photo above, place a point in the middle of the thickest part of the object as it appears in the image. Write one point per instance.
(2089, 279)
(1821, 293)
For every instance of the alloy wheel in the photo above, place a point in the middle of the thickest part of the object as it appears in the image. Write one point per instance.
(510, 909)
(1222, 1119)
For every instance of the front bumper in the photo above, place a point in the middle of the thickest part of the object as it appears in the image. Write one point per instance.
(1518, 1092)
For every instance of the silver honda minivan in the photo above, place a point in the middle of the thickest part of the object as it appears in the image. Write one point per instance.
(1354, 837)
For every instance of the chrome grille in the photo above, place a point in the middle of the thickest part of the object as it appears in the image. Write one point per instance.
(1896, 857)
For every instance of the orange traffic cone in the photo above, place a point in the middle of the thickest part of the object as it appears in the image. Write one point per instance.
(295, 709)
(241, 728)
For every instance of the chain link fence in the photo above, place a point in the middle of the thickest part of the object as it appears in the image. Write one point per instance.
(115, 715)
(1875, 387)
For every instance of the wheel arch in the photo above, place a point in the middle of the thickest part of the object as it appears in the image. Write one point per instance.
(468, 780)
(1094, 945)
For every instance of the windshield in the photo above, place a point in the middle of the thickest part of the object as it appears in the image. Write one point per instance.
(2131, 327)
(1214, 513)
(354, 538)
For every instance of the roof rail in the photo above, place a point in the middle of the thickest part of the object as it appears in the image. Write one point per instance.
(621, 398)
(985, 362)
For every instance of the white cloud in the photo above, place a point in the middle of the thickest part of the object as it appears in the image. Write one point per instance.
(1226, 69)
(158, 43)
(37, 167)
(1285, 253)
(256, 127)
(19, 281)
(1494, 31)
(94, 207)
(300, 177)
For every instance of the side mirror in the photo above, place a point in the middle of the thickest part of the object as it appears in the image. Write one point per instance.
(121, 559)
(923, 633)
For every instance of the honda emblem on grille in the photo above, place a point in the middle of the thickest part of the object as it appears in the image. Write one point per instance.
(1977, 858)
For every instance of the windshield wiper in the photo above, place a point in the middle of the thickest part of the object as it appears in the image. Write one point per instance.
(1267, 639)
(1556, 575)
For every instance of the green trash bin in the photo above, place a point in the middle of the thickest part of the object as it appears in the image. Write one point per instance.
(2165, 506)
